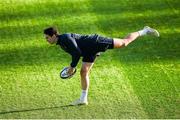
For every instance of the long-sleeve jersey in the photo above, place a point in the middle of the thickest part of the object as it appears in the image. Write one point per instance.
(78, 45)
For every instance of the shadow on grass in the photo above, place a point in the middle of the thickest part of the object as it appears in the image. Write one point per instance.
(54, 9)
(104, 7)
(34, 56)
(46, 10)
(107, 23)
(148, 48)
(114, 23)
(10, 33)
(36, 109)
(132, 23)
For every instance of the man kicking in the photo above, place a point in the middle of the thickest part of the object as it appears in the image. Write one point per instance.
(88, 47)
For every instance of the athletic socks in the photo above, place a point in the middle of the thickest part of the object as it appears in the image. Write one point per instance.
(142, 32)
(84, 95)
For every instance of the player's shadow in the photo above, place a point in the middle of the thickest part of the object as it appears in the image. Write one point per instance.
(35, 109)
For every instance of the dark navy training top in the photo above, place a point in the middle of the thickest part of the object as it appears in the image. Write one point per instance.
(78, 45)
(83, 45)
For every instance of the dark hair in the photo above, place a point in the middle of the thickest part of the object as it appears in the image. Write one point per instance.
(51, 31)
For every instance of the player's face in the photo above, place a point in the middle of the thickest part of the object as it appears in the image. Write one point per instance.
(50, 40)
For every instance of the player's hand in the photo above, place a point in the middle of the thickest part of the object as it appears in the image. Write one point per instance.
(71, 70)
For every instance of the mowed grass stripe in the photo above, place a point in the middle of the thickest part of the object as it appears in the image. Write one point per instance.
(107, 92)
(165, 69)
(157, 95)
(115, 90)
(33, 71)
(34, 25)
(35, 28)
(78, 6)
(123, 15)
(169, 108)
(47, 8)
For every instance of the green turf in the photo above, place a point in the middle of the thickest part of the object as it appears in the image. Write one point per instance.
(139, 81)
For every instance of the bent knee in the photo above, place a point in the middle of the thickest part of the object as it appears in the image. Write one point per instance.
(84, 71)
(119, 43)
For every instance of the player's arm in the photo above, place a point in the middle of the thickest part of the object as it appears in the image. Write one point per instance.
(73, 49)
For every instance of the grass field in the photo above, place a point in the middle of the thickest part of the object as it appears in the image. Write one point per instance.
(139, 81)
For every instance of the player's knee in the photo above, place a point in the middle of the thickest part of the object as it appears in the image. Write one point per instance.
(123, 44)
(119, 43)
(130, 34)
(84, 71)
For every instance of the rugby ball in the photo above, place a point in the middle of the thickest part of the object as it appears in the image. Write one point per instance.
(64, 73)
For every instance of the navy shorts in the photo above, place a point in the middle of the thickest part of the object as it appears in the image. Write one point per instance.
(89, 58)
(103, 43)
